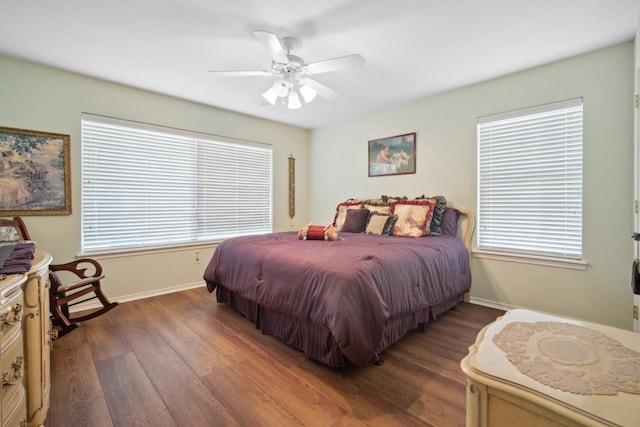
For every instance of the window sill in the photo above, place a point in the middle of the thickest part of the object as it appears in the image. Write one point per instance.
(120, 253)
(532, 259)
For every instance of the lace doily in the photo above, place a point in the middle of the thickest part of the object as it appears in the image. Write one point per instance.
(570, 357)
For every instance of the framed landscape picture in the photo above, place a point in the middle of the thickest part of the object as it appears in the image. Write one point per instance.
(35, 174)
(394, 155)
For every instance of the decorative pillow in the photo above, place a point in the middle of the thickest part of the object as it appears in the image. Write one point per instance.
(438, 213)
(341, 212)
(315, 232)
(382, 205)
(414, 217)
(450, 221)
(355, 220)
(388, 226)
(380, 224)
(318, 232)
(376, 223)
(383, 209)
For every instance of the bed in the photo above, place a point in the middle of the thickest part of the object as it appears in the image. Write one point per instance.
(345, 301)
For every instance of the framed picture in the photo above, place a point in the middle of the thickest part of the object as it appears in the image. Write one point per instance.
(35, 174)
(395, 155)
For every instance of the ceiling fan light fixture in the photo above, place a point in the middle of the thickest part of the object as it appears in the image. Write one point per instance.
(271, 96)
(281, 88)
(294, 101)
(293, 88)
(308, 93)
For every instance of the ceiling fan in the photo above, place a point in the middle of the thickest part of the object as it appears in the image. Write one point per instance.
(293, 83)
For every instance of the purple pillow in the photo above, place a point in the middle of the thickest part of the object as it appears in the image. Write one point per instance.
(355, 221)
(450, 221)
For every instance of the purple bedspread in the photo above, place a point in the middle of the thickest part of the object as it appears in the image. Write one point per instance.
(351, 286)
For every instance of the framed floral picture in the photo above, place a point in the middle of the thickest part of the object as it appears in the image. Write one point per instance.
(35, 174)
(394, 155)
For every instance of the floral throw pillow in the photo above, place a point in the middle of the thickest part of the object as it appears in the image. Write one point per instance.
(440, 204)
(414, 217)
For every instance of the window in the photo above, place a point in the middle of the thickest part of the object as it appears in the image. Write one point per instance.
(146, 186)
(530, 181)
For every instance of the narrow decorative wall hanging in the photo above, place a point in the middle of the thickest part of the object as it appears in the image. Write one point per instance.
(292, 186)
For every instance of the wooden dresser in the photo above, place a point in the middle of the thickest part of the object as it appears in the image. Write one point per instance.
(25, 341)
(13, 404)
(531, 369)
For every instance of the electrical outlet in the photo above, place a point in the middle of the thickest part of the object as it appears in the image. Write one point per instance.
(197, 258)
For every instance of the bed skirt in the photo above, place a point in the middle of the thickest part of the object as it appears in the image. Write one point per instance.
(315, 340)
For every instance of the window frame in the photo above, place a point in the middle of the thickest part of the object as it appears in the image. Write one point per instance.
(191, 220)
(540, 120)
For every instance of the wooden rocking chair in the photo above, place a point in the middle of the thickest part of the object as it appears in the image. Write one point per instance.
(86, 274)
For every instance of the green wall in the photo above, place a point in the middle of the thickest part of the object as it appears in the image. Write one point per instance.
(40, 98)
(446, 164)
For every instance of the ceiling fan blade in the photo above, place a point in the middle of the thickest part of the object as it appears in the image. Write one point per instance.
(273, 45)
(335, 64)
(323, 91)
(240, 73)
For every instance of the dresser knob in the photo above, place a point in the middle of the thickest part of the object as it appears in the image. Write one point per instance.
(16, 377)
(17, 315)
(4, 308)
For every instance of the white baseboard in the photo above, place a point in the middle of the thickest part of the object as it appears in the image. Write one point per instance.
(93, 304)
(492, 304)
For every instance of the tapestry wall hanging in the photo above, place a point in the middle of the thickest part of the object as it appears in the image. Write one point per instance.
(35, 174)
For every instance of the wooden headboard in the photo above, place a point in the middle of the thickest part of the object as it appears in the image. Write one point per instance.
(466, 232)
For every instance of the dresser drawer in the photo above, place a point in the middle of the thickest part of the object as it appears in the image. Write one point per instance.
(17, 416)
(11, 311)
(12, 365)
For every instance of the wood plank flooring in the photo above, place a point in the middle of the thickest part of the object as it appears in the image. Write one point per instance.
(183, 360)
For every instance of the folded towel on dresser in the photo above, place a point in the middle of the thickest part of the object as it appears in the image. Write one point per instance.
(6, 249)
(16, 257)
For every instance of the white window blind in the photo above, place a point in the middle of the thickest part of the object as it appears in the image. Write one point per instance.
(530, 181)
(148, 186)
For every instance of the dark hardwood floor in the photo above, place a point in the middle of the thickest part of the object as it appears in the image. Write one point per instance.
(182, 359)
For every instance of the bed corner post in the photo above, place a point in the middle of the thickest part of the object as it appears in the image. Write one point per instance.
(466, 297)
(468, 232)
(470, 226)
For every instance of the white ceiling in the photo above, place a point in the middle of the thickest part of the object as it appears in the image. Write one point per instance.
(412, 48)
